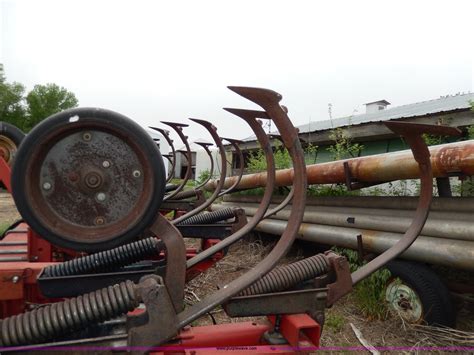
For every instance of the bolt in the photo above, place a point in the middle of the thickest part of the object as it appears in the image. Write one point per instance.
(87, 136)
(47, 186)
(137, 173)
(100, 196)
(73, 177)
(15, 279)
(99, 221)
(106, 164)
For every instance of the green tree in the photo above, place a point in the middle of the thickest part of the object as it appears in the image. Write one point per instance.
(12, 109)
(46, 100)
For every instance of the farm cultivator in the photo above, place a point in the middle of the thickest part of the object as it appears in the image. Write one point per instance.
(103, 266)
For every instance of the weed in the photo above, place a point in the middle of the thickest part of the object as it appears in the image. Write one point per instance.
(334, 321)
(369, 294)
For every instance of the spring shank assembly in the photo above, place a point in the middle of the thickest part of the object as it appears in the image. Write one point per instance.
(213, 132)
(108, 260)
(290, 275)
(60, 318)
(269, 100)
(211, 217)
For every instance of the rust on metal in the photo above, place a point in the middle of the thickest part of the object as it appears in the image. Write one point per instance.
(213, 132)
(172, 157)
(250, 117)
(175, 277)
(206, 146)
(269, 101)
(235, 143)
(178, 128)
(446, 160)
(412, 133)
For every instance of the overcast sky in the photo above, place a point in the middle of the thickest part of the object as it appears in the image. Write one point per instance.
(169, 60)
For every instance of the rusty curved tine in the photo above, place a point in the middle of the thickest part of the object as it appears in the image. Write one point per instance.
(235, 143)
(213, 131)
(211, 170)
(171, 170)
(166, 135)
(178, 127)
(269, 100)
(290, 195)
(251, 118)
(412, 133)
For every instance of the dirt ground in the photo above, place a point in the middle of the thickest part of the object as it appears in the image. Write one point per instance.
(389, 336)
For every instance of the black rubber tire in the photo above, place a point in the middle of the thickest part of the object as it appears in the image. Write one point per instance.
(12, 132)
(437, 305)
(116, 120)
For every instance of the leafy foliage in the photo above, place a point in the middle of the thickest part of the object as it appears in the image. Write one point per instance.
(41, 102)
(203, 175)
(46, 100)
(12, 108)
(343, 146)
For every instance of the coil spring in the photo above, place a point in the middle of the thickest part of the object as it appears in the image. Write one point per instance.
(108, 260)
(48, 322)
(290, 275)
(209, 217)
(184, 194)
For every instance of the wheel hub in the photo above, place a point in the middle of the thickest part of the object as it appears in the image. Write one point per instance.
(405, 301)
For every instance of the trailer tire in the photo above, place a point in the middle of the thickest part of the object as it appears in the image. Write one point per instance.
(10, 139)
(418, 294)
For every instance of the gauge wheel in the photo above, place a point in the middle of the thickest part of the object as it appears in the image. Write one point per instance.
(418, 295)
(10, 139)
(88, 179)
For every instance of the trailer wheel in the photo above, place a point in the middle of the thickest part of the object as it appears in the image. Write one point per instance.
(10, 139)
(88, 179)
(418, 294)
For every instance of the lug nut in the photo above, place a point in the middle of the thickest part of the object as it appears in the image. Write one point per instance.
(47, 186)
(100, 196)
(99, 221)
(87, 136)
(106, 164)
(137, 173)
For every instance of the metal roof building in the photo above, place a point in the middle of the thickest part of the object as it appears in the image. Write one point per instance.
(369, 129)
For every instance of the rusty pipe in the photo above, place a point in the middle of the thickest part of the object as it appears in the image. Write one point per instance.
(446, 160)
(452, 253)
(390, 222)
(412, 133)
(442, 204)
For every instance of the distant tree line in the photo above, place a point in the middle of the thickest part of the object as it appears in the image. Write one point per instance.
(26, 110)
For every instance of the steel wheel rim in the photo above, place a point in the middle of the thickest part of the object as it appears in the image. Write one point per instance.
(101, 228)
(8, 149)
(404, 300)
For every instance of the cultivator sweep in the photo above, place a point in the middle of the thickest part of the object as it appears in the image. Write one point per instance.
(92, 181)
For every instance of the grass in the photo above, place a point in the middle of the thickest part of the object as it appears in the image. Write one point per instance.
(369, 294)
(334, 321)
(4, 226)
